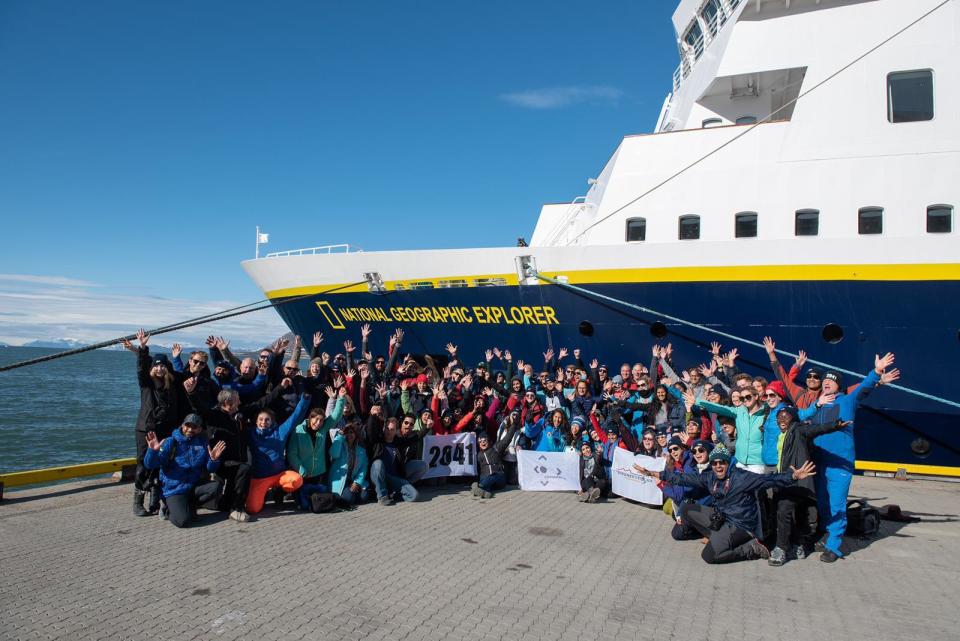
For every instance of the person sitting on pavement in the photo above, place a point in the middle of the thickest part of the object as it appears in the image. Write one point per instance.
(731, 522)
(387, 449)
(267, 443)
(348, 464)
(594, 484)
(184, 459)
(490, 467)
(307, 447)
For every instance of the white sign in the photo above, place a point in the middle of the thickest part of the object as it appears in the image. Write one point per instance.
(548, 471)
(450, 455)
(629, 483)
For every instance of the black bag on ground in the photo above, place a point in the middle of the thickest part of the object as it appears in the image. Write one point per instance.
(862, 518)
(322, 502)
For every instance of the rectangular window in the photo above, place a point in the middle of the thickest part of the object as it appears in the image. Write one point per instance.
(745, 225)
(636, 229)
(870, 220)
(807, 222)
(910, 96)
(689, 227)
(939, 219)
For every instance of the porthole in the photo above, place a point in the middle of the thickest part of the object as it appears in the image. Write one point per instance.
(658, 330)
(832, 333)
(585, 328)
(921, 447)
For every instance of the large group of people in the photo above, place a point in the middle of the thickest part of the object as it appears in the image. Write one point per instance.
(754, 468)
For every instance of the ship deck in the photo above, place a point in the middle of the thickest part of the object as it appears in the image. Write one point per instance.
(76, 565)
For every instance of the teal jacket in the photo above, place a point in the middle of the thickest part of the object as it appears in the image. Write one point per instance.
(340, 464)
(749, 441)
(306, 455)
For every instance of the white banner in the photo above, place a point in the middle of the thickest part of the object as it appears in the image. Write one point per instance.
(548, 471)
(450, 455)
(629, 483)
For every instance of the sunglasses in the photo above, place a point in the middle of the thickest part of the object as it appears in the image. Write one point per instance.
(674, 449)
(715, 463)
(289, 369)
(198, 361)
(772, 395)
(700, 450)
(744, 397)
(648, 438)
(816, 376)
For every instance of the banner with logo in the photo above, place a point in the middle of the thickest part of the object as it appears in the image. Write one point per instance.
(548, 471)
(450, 455)
(629, 483)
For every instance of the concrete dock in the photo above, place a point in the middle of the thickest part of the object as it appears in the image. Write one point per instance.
(74, 564)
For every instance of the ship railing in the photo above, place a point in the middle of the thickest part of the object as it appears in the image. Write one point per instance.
(566, 221)
(342, 248)
(709, 29)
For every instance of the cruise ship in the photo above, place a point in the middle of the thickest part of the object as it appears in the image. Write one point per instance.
(800, 183)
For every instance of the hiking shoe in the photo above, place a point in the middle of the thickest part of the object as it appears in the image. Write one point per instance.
(386, 500)
(798, 552)
(594, 495)
(760, 549)
(777, 557)
(240, 516)
(486, 495)
(475, 488)
(828, 556)
(583, 496)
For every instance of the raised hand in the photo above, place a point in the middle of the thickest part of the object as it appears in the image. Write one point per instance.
(348, 346)
(708, 370)
(222, 344)
(152, 442)
(325, 358)
(715, 348)
(497, 352)
(216, 451)
(190, 384)
(211, 341)
(176, 350)
(889, 377)
(143, 337)
(576, 353)
(488, 391)
(488, 355)
(452, 349)
(399, 335)
(127, 345)
(351, 373)
(365, 331)
(263, 368)
(770, 346)
(594, 364)
(286, 383)
(405, 384)
(548, 355)
(364, 370)
(689, 399)
(880, 363)
(685, 376)
(656, 351)
(520, 364)
(317, 339)
(805, 470)
(801, 359)
(338, 381)
(563, 354)
(507, 356)
(668, 350)
(381, 390)
(731, 357)
(330, 392)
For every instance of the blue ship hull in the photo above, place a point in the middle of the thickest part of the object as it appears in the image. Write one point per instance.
(894, 428)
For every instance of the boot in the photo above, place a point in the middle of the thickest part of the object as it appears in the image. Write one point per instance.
(154, 504)
(138, 503)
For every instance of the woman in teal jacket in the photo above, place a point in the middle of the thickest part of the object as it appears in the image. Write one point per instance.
(307, 447)
(749, 419)
(348, 464)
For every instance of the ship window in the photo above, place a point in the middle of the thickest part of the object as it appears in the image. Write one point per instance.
(711, 122)
(939, 219)
(870, 220)
(709, 15)
(636, 229)
(747, 120)
(745, 224)
(456, 282)
(910, 96)
(689, 227)
(490, 282)
(421, 284)
(694, 39)
(806, 222)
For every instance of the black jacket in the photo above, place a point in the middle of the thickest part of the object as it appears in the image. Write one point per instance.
(489, 460)
(796, 448)
(232, 430)
(160, 408)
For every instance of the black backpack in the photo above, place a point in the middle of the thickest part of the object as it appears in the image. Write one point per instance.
(862, 518)
(322, 502)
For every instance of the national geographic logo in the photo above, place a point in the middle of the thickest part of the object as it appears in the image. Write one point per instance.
(479, 314)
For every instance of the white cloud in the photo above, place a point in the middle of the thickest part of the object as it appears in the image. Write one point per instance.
(557, 97)
(51, 307)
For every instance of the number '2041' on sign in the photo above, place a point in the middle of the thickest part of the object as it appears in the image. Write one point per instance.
(450, 455)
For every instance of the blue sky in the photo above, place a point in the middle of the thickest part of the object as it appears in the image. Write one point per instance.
(143, 142)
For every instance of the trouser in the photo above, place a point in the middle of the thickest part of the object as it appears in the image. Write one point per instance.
(833, 485)
(182, 508)
(589, 483)
(288, 481)
(682, 531)
(792, 524)
(310, 487)
(492, 482)
(236, 476)
(414, 470)
(352, 497)
(510, 469)
(729, 543)
(387, 484)
(143, 478)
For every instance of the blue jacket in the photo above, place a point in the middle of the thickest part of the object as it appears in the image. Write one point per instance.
(679, 493)
(836, 449)
(268, 445)
(735, 496)
(340, 462)
(180, 472)
(771, 432)
(545, 438)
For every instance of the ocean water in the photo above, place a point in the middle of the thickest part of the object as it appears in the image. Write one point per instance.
(77, 409)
